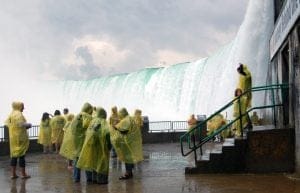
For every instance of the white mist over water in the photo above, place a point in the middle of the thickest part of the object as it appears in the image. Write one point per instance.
(166, 93)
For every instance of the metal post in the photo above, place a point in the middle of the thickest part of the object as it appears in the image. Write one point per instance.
(194, 148)
(240, 113)
(273, 103)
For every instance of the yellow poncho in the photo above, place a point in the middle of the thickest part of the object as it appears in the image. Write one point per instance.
(18, 137)
(114, 117)
(245, 83)
(215, 123)
(67, 147)
(95, 151)
(57, 124)
(138, 119)
(255, 119)
(79, 130)
(126, 139)
(192, 122)
(76, 133)
(45, 133)
(237, 125)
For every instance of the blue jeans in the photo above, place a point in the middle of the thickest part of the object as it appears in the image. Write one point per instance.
(76, 171)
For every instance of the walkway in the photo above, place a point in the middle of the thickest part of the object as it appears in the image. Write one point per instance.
(161, 172)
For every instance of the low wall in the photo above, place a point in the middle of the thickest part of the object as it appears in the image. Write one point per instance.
(162, 137)
(33, 147)
(271, 151)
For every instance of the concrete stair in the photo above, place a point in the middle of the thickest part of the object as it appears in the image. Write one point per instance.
(264, 149)
(222, 157)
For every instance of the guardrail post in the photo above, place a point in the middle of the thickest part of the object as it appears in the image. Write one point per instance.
(240, 113)
(6, 133)
(274, 111)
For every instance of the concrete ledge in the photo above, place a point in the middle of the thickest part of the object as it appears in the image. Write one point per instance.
(271, 151)
(33, 147)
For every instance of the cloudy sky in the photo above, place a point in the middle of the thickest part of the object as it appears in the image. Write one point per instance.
(80, 39)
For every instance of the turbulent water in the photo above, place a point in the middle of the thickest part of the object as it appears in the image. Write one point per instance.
(174, 92)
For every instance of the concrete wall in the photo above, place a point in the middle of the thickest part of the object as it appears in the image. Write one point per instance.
(167, 137)
(270, 151)
(296, 94)
(33, 147)
(289, 116)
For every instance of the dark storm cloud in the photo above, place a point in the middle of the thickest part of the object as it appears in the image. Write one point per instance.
(41, 33)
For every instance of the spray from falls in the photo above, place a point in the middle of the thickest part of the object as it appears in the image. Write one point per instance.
(173, 92)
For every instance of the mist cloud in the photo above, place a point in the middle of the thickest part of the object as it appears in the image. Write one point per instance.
(74, 39)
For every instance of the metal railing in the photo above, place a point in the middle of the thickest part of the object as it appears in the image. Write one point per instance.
(33, 133)
(194, 139)
(154, 127)
(167, 126)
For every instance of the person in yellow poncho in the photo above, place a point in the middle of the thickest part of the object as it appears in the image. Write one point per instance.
(138, 119)
(255, 119)
(113, 120)
(127, 140)
(192, 122)
(66, 113)
(18, 138)
(214, 124)
(57, 124)
(94, 156)
(237, 107)
(79, 127)
(245, 82)
(45, 133)
(67, 141)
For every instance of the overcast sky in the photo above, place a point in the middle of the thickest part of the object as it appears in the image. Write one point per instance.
(82, 39)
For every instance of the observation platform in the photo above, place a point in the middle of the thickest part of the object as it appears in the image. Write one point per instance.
(161, 171)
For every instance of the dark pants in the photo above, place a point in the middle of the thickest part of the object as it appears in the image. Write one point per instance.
(76, 171)
(91, 176)
(14, 161)
(129, 168)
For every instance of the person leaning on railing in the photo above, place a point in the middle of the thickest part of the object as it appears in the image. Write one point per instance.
(18, 138)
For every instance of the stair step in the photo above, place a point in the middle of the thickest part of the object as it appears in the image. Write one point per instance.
(263, 127)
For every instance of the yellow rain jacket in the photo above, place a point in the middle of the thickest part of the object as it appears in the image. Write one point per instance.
(79, 130)
(245, 83)
(237, 130)
(45, 133)
(126, 139)
(95, 151)
(138, 119)
(57, 124)
(18, 137)
(215, 123)
(255, 119)
(67, 147)
(114, 117)
(192, 122)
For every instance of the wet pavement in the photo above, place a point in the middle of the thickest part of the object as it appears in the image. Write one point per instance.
(161, 171)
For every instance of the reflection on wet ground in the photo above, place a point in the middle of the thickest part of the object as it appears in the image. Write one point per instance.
(162, 171)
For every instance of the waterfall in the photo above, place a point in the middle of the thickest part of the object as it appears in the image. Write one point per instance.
(199, 87)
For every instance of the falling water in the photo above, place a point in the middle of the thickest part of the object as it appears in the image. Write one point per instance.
(200, 87)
